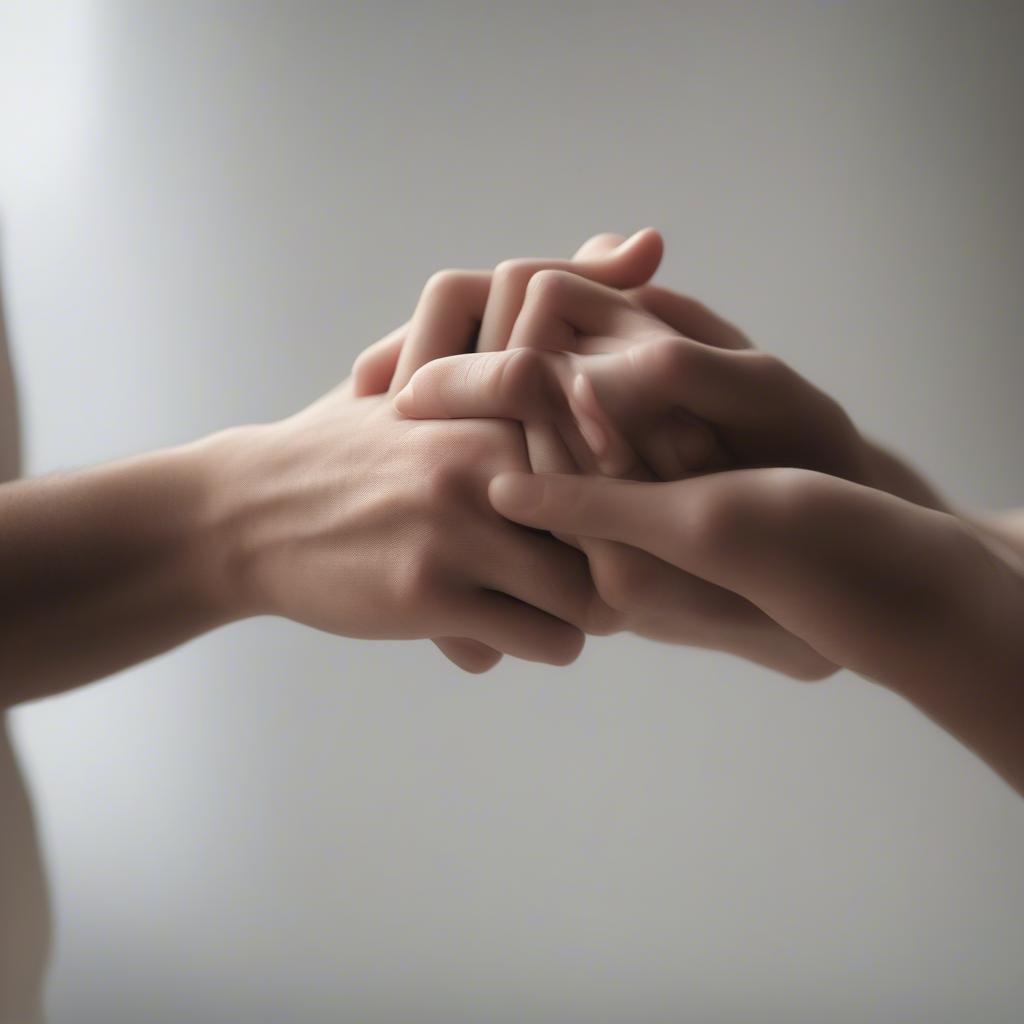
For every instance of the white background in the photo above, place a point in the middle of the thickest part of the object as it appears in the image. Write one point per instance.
(209, 209)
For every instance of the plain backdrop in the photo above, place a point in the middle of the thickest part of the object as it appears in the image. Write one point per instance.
(208, 210)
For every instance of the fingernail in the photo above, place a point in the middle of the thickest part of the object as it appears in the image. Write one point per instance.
(516, 493)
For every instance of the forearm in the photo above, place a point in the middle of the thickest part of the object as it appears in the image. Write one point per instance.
(106, 567)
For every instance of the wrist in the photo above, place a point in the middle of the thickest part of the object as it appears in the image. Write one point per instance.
(222, 552)
(260, 501)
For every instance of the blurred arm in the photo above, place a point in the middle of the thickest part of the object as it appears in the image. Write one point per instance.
(103, 568)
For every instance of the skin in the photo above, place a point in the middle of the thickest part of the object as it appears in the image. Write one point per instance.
(346, 517)
(912, 598)
(712, 617)
(842, 556)
(459, 310)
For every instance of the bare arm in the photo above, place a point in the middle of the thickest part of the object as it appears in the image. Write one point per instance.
(908, 596)
(344, 517)
(330, 518)
(103, 568)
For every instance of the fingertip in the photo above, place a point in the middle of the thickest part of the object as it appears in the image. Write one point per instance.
(599, 245)
(405, 401)
(471, 656)
(571, 649)
(515, 494)
(644, 238)
(642, 253)
(476, 663)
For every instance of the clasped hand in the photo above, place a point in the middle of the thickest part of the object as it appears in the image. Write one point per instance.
(720, 499)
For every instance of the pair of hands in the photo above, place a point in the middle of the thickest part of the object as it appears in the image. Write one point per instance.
(353, 518)
(709, 495)
(724, 501)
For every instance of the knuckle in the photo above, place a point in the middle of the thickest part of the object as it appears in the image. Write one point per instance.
(670, 356)
(548, 286)
(772, 369)
(520, 375)
(512, 272)
(444, 283)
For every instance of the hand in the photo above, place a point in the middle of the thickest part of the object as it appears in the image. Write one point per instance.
(348, 518)
(633, 387)
(466, 310)
(636, 399)
(627, 395)
(911, 597)
(458, 308)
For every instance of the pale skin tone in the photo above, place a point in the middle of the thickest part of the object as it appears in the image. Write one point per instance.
(352, 517)
(347, 517)
(843, 556)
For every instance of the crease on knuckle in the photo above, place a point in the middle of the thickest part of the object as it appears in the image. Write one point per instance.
(518, 380)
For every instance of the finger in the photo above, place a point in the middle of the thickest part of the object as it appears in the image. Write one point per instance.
(508, 625)
(613, 453)
(542, 572)
(689, 317)
(548, 450)
(640, 514)
(469, 655)
(630, 264)
(538, 388)
(662, 602)
(598, 245)
(726, 388)
(446, 320)
(561, 306)
(859, 575)
(514, 384)
(375, 366)
(521, 384)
